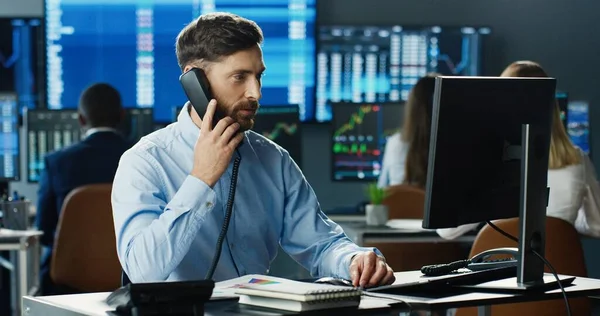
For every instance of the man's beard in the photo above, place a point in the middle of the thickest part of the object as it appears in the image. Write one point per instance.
(246, 121)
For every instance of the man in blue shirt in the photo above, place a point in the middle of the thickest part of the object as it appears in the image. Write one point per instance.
(171, 189)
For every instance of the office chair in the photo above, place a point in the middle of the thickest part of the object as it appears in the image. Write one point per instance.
(84, 257)
(408, 202)
(563, 250)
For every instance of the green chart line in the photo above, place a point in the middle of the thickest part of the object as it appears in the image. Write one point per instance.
(289, 129)
(355, 118)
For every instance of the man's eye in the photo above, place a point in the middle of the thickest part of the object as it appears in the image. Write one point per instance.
(238, 77)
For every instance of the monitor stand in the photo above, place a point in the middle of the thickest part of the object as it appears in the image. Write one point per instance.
(534, 153)
(511, 285)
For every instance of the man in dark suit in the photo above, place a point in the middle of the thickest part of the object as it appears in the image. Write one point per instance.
(92, 160)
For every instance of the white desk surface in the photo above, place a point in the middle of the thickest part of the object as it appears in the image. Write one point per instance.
(92, 304)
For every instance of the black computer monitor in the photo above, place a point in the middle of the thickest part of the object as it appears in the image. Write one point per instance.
(488, 159)
(359, 132)
(578, 125)
(47, 131)
(9, 138)
(51, 130)
(381, 63)
(281, 124)
(138, 122)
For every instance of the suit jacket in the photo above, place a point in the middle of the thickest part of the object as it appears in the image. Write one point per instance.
(91, 161)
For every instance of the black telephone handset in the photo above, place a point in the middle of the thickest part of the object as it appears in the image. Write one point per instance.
(197, 89)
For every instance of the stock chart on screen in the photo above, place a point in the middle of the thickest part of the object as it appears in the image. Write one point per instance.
(21, 60)
(131, 45)
(281, 125)
(359, 134)
(382, 63)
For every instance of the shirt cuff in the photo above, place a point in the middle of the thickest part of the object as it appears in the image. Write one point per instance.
(193, 194)
(347, 261)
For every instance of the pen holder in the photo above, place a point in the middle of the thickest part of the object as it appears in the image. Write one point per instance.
(15, 214)
(376, 215)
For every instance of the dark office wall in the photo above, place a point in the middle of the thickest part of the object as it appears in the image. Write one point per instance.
(557, 33)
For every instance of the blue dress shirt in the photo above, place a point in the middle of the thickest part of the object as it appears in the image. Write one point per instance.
(167, 222)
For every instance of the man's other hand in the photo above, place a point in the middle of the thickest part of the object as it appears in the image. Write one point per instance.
(369, 270)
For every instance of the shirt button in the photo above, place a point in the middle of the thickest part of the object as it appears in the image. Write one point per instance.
(231, 246)
(208, 204)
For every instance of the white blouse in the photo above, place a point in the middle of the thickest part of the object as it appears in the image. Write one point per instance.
(394, 159)
(574, 197)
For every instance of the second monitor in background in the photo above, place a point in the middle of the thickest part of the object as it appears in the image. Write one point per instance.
(9, 140)
(381, 63)
(359, 136)
(281, 124)
(51, 130)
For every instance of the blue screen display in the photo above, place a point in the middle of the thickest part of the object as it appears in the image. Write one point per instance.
(131, 45)
(9, 137)
(21, 60)
(382, 63)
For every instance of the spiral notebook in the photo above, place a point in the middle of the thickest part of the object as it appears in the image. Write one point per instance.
(297, 296)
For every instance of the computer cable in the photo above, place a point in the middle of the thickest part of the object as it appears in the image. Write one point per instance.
(546, 262)
(229, 210)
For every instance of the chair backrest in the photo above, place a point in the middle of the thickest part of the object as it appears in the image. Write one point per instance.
(84, 255)
(408, 202)
(563, 250)
(405, 201)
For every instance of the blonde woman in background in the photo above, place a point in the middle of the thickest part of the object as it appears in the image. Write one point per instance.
(574, 190)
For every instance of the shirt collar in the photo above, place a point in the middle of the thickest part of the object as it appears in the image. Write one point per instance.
(95, 130)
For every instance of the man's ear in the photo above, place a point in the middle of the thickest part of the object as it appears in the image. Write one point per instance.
(81, 119)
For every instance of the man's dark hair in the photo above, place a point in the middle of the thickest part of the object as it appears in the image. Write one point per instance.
(215, 35)
(101, 105)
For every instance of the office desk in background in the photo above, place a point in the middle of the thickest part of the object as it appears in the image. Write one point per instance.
(93, 303)
(360, 233)
(24, 263)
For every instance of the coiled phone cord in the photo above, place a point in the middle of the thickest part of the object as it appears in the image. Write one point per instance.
(229, 210)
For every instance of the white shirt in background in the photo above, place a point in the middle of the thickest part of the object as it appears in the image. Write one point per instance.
(394, 159)
(574, 197)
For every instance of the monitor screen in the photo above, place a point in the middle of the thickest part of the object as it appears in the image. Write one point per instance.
(9, 137)
(130, 45)
(359, 134)
(382, 63)
(22, 60)
(51, 130)
(478, 161)
(281, 125)
(137, 123)
(578, 125)
(47, 131)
